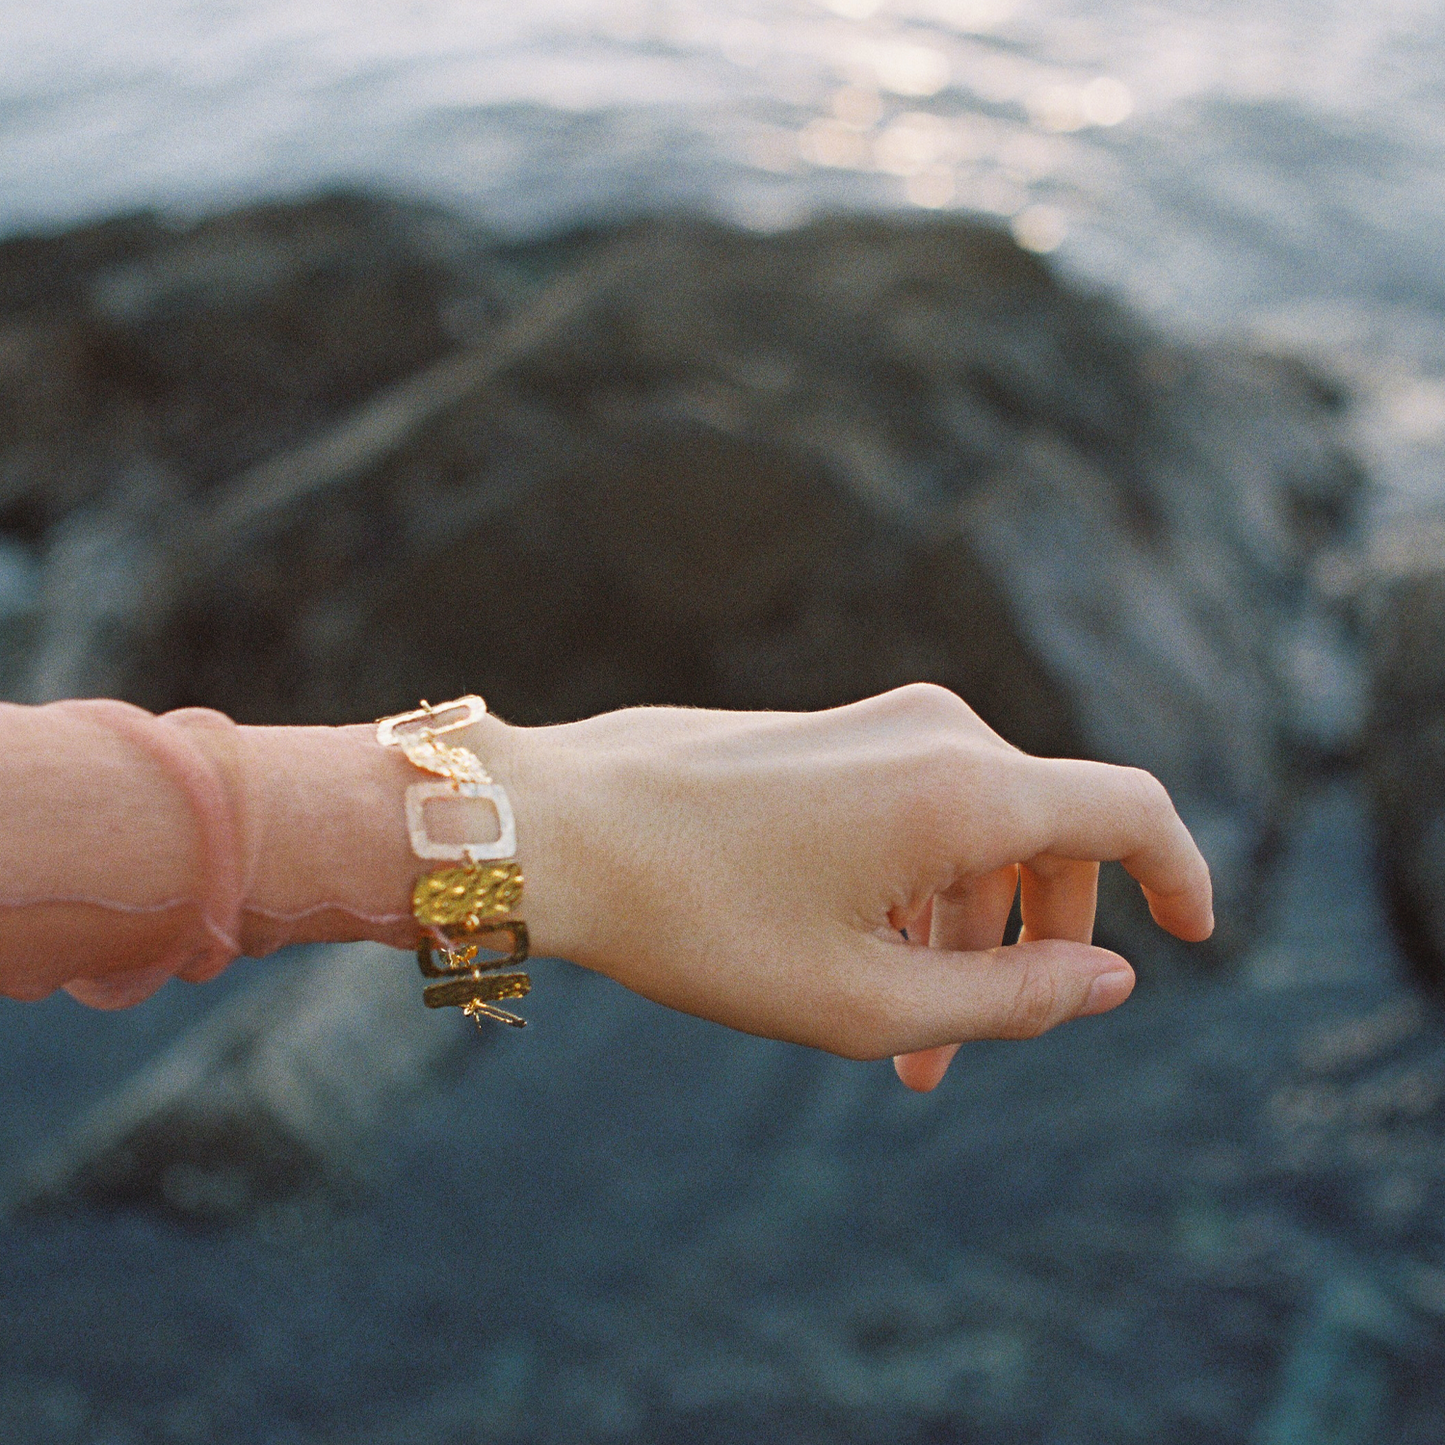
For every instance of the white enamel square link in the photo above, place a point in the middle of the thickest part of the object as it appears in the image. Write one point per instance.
(418, 795)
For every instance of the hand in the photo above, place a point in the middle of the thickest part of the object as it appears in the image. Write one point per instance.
(759, 869)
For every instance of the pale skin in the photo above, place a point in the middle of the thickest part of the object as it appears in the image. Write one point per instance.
(756, 869)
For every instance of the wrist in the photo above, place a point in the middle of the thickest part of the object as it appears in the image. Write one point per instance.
(545, 784)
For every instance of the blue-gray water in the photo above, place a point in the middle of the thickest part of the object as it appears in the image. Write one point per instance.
(1268, 169)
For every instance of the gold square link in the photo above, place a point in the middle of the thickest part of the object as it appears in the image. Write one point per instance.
(420, 794)
(462, 960)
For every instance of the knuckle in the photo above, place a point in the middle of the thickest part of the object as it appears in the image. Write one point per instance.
(1033, 1007)
(1051, 869)
(949, 768)
(928, 701)
(859, 1049)
(947, 781)
(849, 1041)
(1139, 796)
(1150, 796)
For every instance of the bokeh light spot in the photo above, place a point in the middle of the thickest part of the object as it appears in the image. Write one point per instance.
(1057, 108)
(909, 146)
(1106, 101)
(932, 188)
(1040, 228)
(912, 69)
(828, 143)
(858, 107)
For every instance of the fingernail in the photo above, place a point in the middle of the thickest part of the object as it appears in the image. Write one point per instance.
(1107, 991)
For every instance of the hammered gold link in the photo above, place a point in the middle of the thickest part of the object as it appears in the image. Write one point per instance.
(466, 897)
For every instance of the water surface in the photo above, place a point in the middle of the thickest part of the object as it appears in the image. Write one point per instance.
(1263, 170)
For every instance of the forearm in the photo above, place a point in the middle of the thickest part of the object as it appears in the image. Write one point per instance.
(134, 847)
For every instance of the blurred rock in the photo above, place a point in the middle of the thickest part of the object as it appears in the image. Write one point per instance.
(1215, 1216)
(1405, 740)
(726, 470)
(278, 1092)
(200, 349)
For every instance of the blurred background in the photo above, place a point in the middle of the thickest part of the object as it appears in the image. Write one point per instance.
(1084, 357)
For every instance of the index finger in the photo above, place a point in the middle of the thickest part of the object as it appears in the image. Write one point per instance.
(1105, 813)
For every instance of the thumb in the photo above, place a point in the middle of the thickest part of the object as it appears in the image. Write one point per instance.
(939, 997)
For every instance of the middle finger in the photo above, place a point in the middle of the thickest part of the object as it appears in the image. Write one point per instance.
(1058, 898)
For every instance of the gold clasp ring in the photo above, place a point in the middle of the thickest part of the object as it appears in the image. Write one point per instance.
(471, 708)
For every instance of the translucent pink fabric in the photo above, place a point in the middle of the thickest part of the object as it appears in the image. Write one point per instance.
(134, 848)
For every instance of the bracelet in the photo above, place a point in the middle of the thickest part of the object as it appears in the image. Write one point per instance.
(482, 891)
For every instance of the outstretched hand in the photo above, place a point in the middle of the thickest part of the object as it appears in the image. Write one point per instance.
(777, 872)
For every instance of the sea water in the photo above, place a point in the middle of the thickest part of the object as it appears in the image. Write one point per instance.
(1270, 171)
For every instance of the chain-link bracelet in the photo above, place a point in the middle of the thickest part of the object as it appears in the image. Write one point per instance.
(479, 896)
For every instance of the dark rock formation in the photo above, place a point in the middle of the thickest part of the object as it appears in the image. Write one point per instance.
(194, 351)
(679, 463)
(1404, 744)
